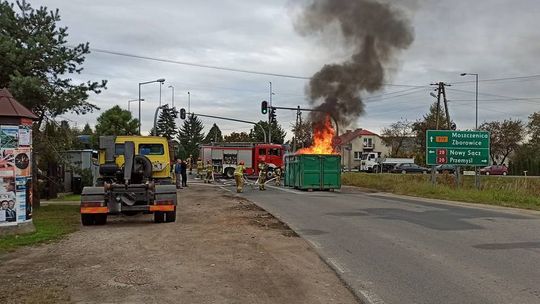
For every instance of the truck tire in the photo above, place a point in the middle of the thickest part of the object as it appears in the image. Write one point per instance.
(87, 219)
(229, 172)
(170, 216)
(159, 217)
(100, 219)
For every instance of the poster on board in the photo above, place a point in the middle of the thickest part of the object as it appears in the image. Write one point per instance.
(8, 207)
(25, 136)
(9, 137)
(22, 161)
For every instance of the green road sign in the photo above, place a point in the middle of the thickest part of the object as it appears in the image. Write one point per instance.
(466, 148)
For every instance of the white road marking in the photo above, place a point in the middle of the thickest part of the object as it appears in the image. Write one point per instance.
(315, 244)
(336, 265)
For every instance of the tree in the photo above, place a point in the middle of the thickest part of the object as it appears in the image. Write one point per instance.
(419, 128)
(166, 123)
(37, 60)
(505, 138)
(278, 134)
(214, 135)
(396, 135)
(191, 136)
(237, 137)
(302, 134)
(534, 129)
(87, 130)
(116, 121)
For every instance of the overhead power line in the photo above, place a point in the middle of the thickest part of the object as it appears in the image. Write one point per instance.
(528, 77)
(214, 67)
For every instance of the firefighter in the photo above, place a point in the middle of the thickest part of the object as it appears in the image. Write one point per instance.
(239, 176)
(209, 177)
(263, 169)
(189, 163)
(277, 174)
(200, 167)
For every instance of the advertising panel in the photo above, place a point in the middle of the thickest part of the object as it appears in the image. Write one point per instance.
(15, 174)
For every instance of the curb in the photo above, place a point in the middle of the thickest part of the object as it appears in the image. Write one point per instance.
(362, 296)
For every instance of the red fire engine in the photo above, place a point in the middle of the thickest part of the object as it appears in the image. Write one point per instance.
(225, 156)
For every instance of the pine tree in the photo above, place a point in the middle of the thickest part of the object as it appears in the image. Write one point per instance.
(191, 136)
(37, 61)
(214, 135)
(87, 130)
(166, 123)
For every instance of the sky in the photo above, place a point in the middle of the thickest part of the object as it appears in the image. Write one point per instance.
(493, 38)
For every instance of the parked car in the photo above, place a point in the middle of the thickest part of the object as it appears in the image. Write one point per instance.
(409, 168)
(450, 169)
(494, 170)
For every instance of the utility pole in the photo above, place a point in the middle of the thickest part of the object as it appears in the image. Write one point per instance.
(298, 124)
(269, 120)
(189, 102)
(441, 92)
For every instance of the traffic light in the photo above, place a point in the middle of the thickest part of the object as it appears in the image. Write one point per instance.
(264, 107)
(272, 115)
(182, 113)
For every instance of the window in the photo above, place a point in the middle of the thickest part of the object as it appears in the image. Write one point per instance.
(262, 151)
(119, 149)
(358, 155)
(368, 142)
(151, 149)
(275, 152)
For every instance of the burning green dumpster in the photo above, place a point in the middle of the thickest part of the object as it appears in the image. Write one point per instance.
(313, 171)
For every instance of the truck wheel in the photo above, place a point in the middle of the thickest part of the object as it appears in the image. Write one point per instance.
(87, 219)
(100, 219)
(170, 216)
(229, 172)
(159, 217)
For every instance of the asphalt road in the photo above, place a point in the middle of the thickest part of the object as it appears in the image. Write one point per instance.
(404, 250)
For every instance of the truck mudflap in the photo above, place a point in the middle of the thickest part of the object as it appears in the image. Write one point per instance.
(93, 200)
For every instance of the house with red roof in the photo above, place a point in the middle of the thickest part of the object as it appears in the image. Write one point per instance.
(356, 142)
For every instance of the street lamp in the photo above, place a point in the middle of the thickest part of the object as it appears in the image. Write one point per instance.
(172, 96)
(161, 81)
(476, 177)
(476, 75)
(188, 102)
(130, 101)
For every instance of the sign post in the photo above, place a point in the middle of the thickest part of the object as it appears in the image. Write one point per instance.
(459, 148)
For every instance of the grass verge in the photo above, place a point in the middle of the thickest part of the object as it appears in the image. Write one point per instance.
(68, 198)
(502, 191)
(52, 222)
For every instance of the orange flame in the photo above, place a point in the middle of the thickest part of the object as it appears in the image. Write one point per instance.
(322, 140)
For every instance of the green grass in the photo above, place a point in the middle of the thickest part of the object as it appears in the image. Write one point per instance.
(52, 223)
(502, 191)
(68, 197)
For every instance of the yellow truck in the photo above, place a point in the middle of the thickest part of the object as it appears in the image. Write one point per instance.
(157, 149)
(135, 177)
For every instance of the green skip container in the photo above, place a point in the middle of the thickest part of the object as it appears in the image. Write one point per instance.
(313, 171)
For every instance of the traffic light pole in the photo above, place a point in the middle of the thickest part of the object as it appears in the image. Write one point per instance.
(232, 119)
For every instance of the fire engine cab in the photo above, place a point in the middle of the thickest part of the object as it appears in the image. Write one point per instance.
(225, 156)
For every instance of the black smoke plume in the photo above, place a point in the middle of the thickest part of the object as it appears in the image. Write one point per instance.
(375, 31)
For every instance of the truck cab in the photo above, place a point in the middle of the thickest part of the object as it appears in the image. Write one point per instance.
(155, 148)
(369, 160)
